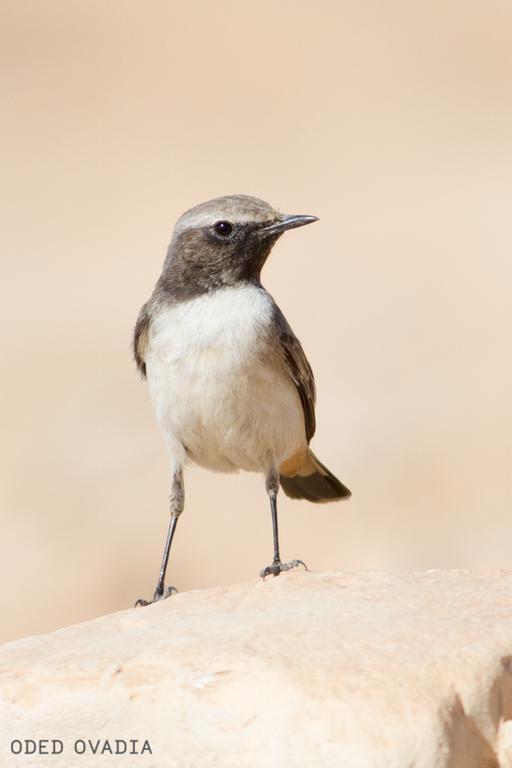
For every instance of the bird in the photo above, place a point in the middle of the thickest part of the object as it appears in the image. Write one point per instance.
(229, 381)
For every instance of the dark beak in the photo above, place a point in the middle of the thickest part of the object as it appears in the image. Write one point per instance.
(284, 223)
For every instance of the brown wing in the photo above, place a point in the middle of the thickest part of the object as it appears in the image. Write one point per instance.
(140, 340)
(299, 369)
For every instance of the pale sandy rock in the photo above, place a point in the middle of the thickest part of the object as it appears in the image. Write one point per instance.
(338, 670)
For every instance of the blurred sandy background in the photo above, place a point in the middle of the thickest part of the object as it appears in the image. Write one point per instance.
(392, 122)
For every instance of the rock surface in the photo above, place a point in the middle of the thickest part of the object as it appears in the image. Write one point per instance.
(345, 670)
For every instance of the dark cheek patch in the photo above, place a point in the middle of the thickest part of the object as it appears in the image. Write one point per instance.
(201, 262)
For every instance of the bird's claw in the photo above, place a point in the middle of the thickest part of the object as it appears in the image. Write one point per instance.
(156, 597)
(277, 566)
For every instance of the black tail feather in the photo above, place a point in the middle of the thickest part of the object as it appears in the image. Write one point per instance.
(317, 487)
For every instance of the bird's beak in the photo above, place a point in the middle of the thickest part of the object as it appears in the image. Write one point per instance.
(286, 222)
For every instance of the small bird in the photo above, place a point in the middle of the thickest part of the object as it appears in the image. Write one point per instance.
(229, 381)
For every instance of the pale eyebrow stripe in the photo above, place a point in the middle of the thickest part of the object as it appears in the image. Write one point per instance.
(208, 218)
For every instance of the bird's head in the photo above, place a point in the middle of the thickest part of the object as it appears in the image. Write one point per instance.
(223, 242)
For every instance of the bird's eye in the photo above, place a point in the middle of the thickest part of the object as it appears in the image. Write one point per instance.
(223, 228)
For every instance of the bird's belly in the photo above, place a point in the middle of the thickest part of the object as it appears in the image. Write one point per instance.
(228, 413)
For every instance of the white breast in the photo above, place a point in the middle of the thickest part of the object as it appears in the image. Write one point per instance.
(214, 388)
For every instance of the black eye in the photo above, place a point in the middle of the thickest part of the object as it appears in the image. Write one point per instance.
(223, 228)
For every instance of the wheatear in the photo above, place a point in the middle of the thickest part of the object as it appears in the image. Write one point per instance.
(229, 381)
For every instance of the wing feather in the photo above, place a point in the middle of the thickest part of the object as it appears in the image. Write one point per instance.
(140, 340)
(299, 370)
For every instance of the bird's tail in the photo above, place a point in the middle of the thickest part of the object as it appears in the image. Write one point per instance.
(304, 477)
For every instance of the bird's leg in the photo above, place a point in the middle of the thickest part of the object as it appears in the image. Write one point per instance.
(272, 486)
(177, 502)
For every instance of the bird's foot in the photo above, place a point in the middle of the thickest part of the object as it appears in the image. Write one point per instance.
(277, 566)
(157, 597)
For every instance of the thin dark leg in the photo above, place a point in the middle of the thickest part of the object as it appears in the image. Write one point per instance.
(159, 591)
(177, 502)
(272, 484)
(275, 529)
